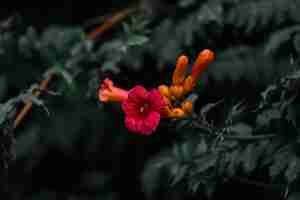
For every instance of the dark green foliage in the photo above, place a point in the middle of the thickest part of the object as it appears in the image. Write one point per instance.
(244, 127)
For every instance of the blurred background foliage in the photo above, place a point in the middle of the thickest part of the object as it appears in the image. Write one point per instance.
(242, 141)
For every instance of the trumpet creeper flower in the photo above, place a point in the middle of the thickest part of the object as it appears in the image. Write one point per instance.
(143, 110)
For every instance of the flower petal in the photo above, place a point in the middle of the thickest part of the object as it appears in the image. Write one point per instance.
(156, 100)
(131, 124)
(137, 94)
(144, 126)
(150, 123)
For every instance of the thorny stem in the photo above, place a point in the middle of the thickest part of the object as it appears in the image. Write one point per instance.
(50, 75)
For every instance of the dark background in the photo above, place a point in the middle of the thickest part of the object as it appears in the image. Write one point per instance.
(59, 174)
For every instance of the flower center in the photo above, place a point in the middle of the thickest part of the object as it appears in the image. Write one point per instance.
(144, 107)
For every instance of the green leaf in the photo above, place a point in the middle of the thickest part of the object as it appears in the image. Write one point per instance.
(137, 40)
(5, 109)
(179, 175)
(280, 162)
(264, 118)
(279, 38)
(201, 147)
(233, 161)
(241, 129)
(252, 154)
(269, 91)
(249, 162)
(126, 28)
(204, 163)
(235, 112)
(293, 170)
(186, 3)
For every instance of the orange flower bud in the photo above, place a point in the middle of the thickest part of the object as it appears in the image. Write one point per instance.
(177, 91)
(187, 106)
(164, 90)
(204, 58)
(180, 71)
(177, 113)
(189, 84)
(166, 112)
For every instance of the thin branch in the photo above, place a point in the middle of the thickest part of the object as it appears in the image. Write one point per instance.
(250, 137)
(111, 22)
(235, 137)
(43, 86)
(92, 35)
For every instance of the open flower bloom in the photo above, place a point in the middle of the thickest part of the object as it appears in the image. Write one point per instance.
(108, 92)
(143, 110)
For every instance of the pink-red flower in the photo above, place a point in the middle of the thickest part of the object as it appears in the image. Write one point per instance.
(143, 110)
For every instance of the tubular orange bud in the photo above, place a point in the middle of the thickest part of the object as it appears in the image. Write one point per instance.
(166, 112)
(204, 58)
(177, 113)
(187, 106)
(189, 84)
(177, 91)
(164, 90)
(180, 71)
